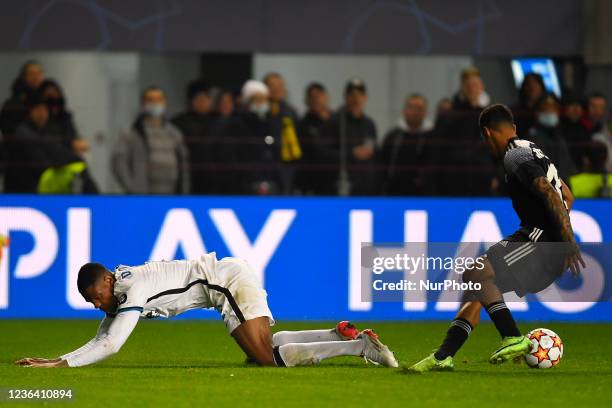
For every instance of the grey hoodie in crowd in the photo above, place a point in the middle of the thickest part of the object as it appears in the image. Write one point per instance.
(152, 160)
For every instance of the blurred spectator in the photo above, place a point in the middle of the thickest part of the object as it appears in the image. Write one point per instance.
(26, 157)
(195, 124)
(444, 106)
(282, 119)
(604, 136)
(573, 131)
(415, 115)
(594, 181)
(278, 96)
(465, 168)
(259, 150)
(472, 94)
(225, 103)
(39, 161)
(595, 119)
(531, 92)
(254, 143)
(61, 123)
(255, 98)
(546, 135)
(151, 157)
(407, 151)
(317, 153)
(354, 141)
(230, 147)
(24, 89)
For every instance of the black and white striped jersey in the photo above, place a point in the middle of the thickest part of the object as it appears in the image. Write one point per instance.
(523, 163)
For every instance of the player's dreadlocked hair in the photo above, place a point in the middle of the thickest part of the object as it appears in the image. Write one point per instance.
(494, 115)
(88, 275)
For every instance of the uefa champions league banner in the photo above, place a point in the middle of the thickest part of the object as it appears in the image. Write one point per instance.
(308, 252)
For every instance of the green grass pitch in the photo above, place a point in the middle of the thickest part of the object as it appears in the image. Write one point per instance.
(195, 363)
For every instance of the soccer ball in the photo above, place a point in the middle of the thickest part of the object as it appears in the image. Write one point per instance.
(547, 349)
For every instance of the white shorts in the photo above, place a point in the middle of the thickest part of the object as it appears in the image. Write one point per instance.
(236, 293)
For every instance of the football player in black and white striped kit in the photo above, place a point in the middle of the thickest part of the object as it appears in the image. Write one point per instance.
(229, 285)
(527, 261)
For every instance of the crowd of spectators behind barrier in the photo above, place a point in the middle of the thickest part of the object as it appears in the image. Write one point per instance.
(253, 142)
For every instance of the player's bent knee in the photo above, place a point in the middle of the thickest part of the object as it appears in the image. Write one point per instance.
(265, 358)
(254, 338)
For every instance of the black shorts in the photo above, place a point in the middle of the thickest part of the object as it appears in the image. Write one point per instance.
(525, 264)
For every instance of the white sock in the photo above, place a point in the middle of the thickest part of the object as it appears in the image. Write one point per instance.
(299, 354)
(304, 336)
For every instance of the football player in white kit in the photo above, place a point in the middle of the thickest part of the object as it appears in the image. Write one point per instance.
(166, 289)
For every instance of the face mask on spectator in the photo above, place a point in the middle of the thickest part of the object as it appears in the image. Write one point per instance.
(548, 119)
(260, 109)
(154, 109)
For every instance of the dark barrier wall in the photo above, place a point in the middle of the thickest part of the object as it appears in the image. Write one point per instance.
(476, 27)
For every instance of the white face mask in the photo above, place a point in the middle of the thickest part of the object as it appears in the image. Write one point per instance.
(154, 109)
(548, 119)
(260, 109)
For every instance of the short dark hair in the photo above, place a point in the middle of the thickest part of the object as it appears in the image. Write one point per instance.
(547, 99)
(469, 72)
(594, 95)
(355, 84)
(88, 275)
(523, 90)
(314, 86)
(573, 99)
(150, 89)
(196, 87)
(50, 83)
(271, 74)
(494, 115)
(416, 95)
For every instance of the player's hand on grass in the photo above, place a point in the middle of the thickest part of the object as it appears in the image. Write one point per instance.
(29, 360)
(41, 362)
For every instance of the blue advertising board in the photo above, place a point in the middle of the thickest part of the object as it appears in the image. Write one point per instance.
(306, 251)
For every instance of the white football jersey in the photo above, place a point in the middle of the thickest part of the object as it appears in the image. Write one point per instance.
(166, 288)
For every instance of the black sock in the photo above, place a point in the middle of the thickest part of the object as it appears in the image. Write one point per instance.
(277, 357)
(503, 320)
(456, 335)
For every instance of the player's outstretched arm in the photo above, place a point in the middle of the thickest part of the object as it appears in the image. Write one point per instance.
(560, 216)
(57, 362)
(101, 333)
(118, 332)
(112, 334)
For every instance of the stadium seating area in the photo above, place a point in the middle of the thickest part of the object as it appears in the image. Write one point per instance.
(251, 141)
